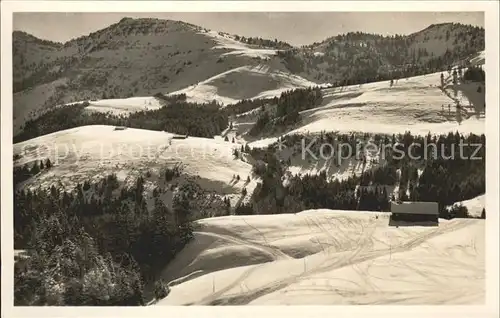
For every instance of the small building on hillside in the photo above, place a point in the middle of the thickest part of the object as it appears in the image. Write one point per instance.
(179, 136)
(413, 212)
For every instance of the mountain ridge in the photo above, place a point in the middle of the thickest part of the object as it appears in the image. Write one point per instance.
(143, 57)
(126, 19)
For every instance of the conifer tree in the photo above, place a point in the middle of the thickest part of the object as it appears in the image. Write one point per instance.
(35, 169)
(48, 164)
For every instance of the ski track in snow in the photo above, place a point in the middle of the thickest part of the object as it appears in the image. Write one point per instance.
(416, 104)
(275, 253)
(361, 258)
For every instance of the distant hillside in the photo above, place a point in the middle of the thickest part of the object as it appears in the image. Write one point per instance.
(361, 57)
(134, 57)
(28, 51)
(142, 57)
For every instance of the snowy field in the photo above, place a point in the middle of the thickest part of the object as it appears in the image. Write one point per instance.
(474, 206)
(235, 47)
(324, 257)
(121, 106)
(115, 106)
(245, 82)
(479, 59)
(96, 151)
(417, 104)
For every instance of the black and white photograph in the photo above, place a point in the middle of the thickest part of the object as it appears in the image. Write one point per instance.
(328, 158)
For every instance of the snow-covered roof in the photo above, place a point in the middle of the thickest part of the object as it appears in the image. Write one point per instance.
(415, 207)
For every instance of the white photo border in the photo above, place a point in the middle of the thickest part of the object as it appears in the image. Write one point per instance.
(490, 9)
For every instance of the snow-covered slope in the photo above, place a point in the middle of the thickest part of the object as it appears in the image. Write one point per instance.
(324, 257)
(124, 105)
(479, 59)
(134, 57)
(234, 47)
(96, 151)
(245, 82)
(229, 87)
(116, 106)
(474, 206)
(417, 104)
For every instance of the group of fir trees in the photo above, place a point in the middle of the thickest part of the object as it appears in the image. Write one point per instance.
(200, 120)
(92, 246)
(288, 106)
(445, 169)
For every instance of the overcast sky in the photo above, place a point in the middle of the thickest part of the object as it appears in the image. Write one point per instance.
(296, 28)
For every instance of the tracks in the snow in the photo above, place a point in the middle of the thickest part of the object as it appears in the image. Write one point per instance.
(274, 252)
(358, 255)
